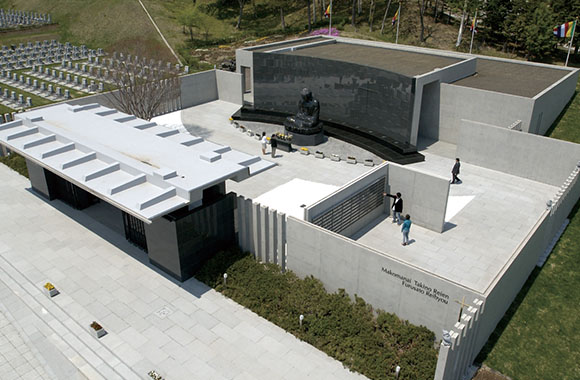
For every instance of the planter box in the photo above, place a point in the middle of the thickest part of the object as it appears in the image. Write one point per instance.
(304, 151)
(52, 292)
(369, 162)
(335, 157)
(98, 333)
(284, 145)
(351, 160)
(318, 154)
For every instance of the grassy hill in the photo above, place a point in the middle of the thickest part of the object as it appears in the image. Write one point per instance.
(109, 24)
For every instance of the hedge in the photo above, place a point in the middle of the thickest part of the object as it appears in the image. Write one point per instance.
(371, 342)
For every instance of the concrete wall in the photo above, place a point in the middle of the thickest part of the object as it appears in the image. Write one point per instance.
(229, 86)
(424, 195)
(37, 178)
(424, 86)
(525, 155)
(198, 88)
(482, 106)
(246, 58)
(345, 192)
(162, 246)
(549, 104)
(383, 281)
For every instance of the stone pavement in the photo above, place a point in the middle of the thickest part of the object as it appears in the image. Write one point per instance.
(181, 330)
(210, 121)
(481, 238)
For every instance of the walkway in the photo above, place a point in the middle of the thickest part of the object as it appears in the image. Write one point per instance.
(181, 330)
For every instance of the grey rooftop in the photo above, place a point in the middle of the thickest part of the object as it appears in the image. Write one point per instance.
(408, 63)
(143, 168)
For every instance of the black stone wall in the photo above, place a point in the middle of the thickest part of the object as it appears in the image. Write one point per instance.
(374, 101)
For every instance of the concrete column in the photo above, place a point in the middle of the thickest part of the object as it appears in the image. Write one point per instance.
(265, 234)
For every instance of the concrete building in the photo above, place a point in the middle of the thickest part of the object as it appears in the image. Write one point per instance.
(166, 188)
(397, 95)
(473, 245)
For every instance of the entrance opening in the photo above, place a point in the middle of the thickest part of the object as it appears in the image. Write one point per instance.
(135, 231)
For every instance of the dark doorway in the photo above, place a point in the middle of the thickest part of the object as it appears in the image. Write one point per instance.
(74, 196)
(135, 231)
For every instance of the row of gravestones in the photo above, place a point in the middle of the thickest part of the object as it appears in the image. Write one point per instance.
(83, 69)
(12, 18)
(44, 54)
(11, 97)
(75, 80)
(35, 85)
(119, 59)
(7, 117)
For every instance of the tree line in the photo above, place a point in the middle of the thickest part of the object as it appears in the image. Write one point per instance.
(522, 27)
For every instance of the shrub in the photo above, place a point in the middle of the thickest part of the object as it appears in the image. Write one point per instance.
(15, 162)
(367, 341)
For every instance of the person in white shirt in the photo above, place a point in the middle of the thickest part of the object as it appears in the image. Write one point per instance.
(264, 142)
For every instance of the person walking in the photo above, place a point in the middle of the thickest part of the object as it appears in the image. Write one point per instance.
(264, 141)
(405, 228)
(273, 145)
(397, 206)
(455, 171)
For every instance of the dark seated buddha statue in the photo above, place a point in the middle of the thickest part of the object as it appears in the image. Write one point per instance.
(306, 120)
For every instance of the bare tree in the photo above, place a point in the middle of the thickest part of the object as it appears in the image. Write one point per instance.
(142, 88)
(309, 16)
(371, 14)
(241, 3)
(385, 16)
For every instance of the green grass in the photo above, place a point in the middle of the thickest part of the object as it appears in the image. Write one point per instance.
(539, 337)
(369, 342)
(15, 162)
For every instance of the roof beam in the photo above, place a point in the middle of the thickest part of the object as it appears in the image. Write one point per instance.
(168, 193)
(81, 160)
(138, 180)
(40, 141)
(26, 132)
(59, 150)
(102, 172)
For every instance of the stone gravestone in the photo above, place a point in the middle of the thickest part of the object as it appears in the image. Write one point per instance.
(67, 94)
(20, 99)
(85, 82)
(59, 92)
(28, 101)
(43, 86)
(50, 88)
(35, 83)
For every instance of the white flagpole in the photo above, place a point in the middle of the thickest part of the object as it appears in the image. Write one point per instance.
(398, 20)
(571, 40)
(330, 19)
(473, 31)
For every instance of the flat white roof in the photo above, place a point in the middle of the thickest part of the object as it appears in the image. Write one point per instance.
(145, 169)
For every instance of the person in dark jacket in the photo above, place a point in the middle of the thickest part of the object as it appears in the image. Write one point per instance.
(273, 145)
(455, 171)
(397, 206)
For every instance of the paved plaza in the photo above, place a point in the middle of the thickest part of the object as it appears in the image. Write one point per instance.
(181, 330)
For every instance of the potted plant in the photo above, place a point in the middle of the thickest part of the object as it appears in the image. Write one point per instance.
(155, 376)
(50, 290)
(98, 330)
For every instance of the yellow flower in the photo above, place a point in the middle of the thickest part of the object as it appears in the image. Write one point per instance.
(49, 286)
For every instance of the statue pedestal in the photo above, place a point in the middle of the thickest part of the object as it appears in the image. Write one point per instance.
(305, 136)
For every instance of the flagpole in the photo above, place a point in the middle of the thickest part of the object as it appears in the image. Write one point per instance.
(473, 31)
(330, 19)
(571, 41)
(398, 21)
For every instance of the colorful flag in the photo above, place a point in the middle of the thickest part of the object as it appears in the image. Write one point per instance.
(327, 11)
(473, 26)
(395, 17)
(565, 30)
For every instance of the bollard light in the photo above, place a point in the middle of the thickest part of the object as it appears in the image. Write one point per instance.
(225, 278)
(301, 318)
